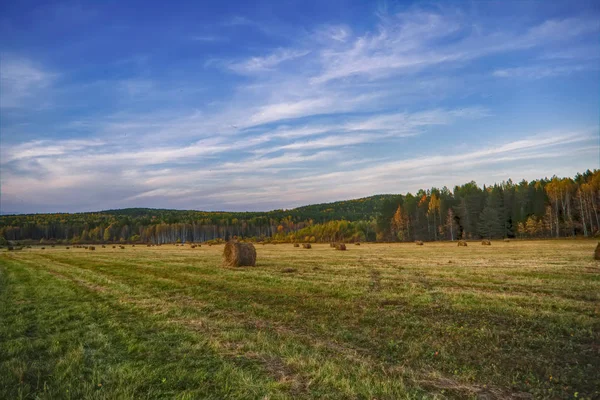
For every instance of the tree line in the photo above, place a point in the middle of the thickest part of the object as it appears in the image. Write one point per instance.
(555, 207)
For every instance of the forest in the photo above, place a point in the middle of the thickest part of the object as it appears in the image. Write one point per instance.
(544, 208)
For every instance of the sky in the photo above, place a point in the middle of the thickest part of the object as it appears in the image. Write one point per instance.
(235, 106)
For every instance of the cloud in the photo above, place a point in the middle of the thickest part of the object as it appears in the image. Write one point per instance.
(46, 148)
(284, 180)
(21, 81)
(330, 112)
(409, 42)
(208, 38)
(541, 71)
(266, 63)
(336, 33)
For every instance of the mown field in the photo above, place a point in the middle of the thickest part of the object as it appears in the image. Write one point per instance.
(379, 321)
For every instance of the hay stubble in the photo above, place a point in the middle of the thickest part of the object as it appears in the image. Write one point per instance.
(380, 321)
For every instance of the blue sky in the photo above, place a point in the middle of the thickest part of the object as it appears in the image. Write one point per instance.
(232, 106)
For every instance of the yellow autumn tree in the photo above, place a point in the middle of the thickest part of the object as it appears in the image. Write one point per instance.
(433, 210)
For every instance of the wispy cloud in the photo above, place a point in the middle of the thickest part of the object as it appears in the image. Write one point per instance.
(542, 71)
(333, 111)
(21, 81)
(407, 43)
(308, 184)
(267, 63)
(208, 38)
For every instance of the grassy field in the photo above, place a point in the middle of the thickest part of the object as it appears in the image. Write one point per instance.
(379, 321)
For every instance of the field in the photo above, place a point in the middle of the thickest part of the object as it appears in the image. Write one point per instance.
(379, 321)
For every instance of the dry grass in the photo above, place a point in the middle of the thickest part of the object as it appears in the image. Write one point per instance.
(385, 321)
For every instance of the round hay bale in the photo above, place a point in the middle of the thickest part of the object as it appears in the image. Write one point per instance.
(238, 254)
(357, 244)
(340, 246)
(597, 252)
(486, 242)
(419, 242)
(462, 243)
(296, 244)
(67, 248)
(91, 248)
(114, 247)
(306, 246)
(506, 240)
(43, 248)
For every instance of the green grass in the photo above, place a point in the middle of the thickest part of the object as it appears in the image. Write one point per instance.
(381, 321)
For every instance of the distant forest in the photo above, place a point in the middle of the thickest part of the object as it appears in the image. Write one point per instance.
(556, 207)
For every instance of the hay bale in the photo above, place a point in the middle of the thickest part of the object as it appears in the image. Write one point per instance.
(92, 248)
(462, 243)
(306, 246)
(103, 246)
(296, 244)
(43, 248)
(597, 252)
(114, 247)
(506, 240)
(486, 242)
(238, 254)
(419, 242)
(340, 246)
(67, 247)
(357, 244)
